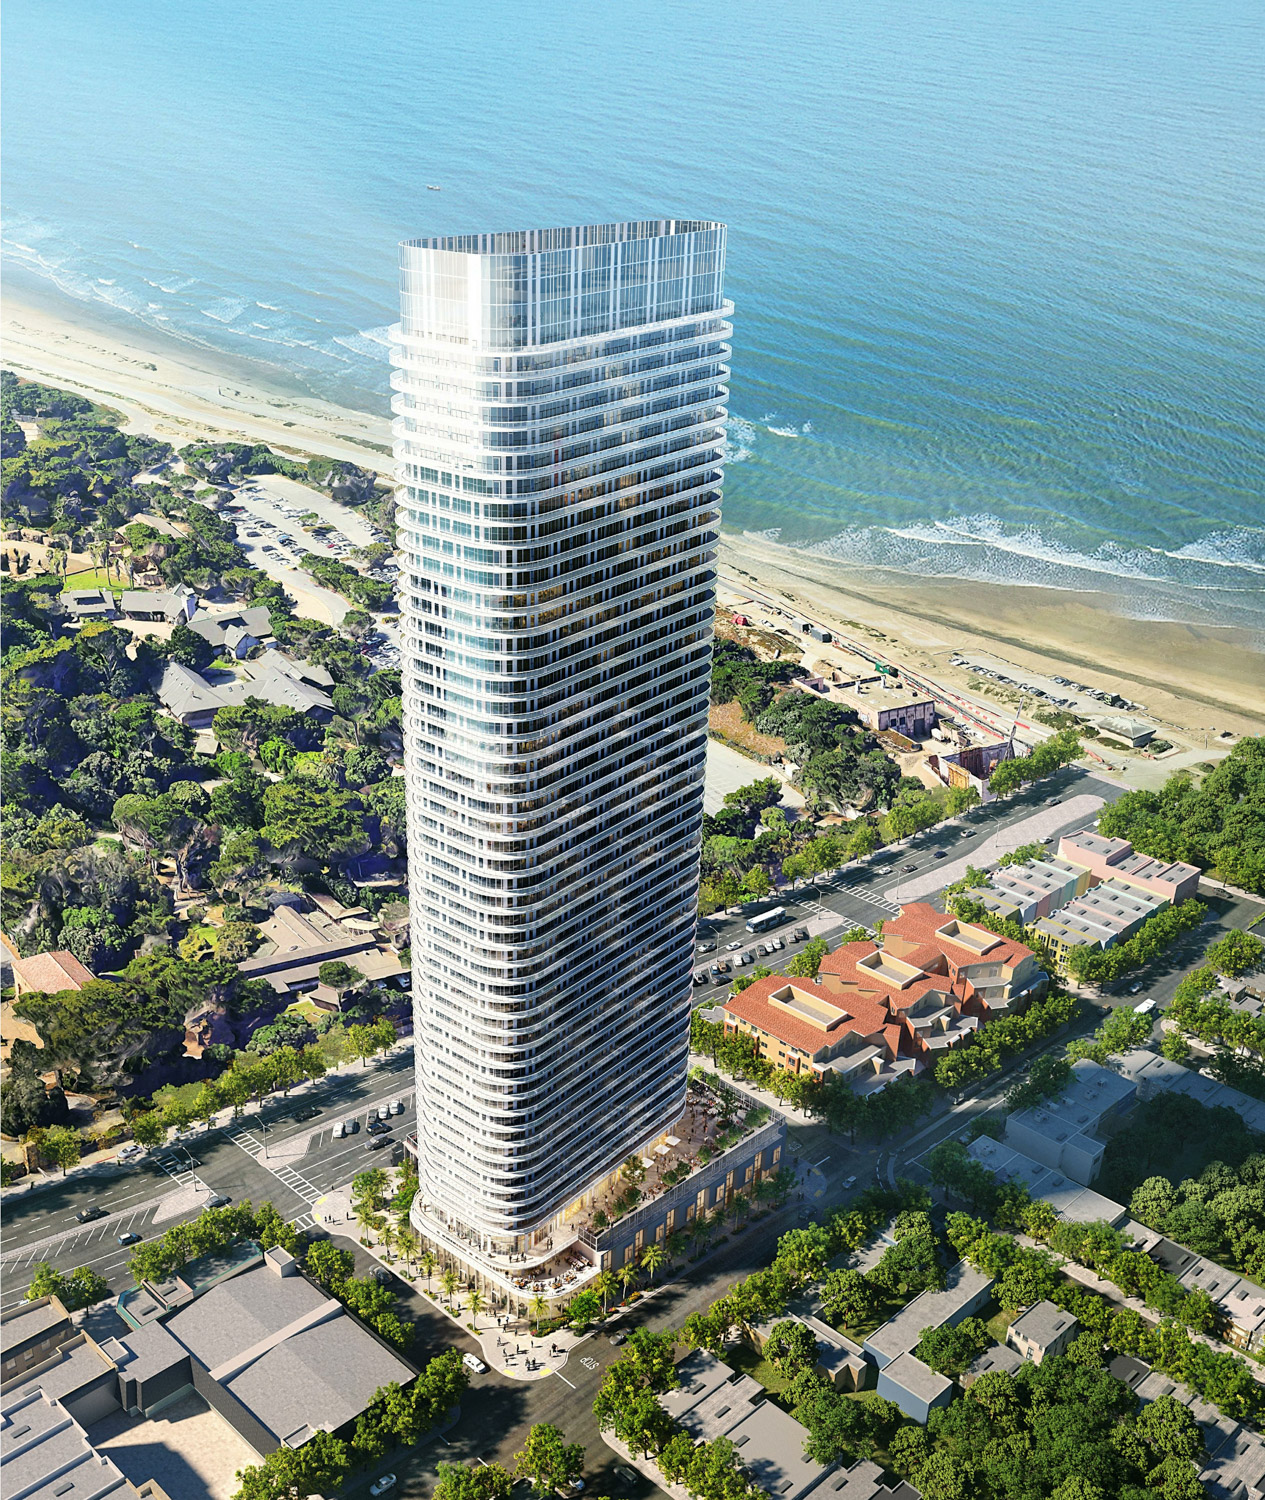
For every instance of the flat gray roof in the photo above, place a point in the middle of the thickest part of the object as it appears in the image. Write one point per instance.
(1042, 1323)
(322, 1376)
(44, 1453)
(770, 1446)
(29, 1320)
(929, 1310)
(240, 1312)
(918, 1379)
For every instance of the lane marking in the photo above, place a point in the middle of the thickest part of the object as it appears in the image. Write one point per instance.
(562, 1377)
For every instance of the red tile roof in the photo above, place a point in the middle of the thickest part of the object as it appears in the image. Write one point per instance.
(50, 972)
(867, 1017)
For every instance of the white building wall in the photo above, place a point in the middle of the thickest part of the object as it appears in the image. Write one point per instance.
(560, 413)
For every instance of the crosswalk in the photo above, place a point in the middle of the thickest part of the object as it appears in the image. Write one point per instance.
(250, 1143)
(873, 898)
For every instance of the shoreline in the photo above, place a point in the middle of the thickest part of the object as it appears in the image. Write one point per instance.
(180, 392)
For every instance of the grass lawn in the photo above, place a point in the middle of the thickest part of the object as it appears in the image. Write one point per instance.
(999, 1323)
(743, 1357)
(308, 1009)
(90, 578)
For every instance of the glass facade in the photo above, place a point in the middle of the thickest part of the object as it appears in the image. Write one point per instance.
(560, 406)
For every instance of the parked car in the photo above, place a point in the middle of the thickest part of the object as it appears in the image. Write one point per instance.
(700, 976)
(129, 1238)
(132, 1151)
(570, 1489)
(1135, 989)
(626, 1477)
(219, 1200)
(379, 1127)
(800, 935)
(474, 1363)
(91, 1214)
(381, 1486)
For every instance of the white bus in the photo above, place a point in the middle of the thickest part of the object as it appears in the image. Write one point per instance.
(767, 919)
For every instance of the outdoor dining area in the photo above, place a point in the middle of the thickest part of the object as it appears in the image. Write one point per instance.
(565, 1275)
(710, 1114)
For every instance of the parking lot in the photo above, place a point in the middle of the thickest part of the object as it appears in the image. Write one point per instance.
(267, 512)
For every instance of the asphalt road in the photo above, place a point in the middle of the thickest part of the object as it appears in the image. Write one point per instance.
(173, 1183)
(857, 896)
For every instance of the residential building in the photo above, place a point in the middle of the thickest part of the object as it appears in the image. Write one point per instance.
(1042, 1330)
(711, 1402)
(236, 630)
(874, 1013)
(49, 973)
(1234, 1468)
(88, 604)
(1115, 859)
(1106, 914)
(44, 1453)
(1069, 1199)
(1057, 1134)
(42, 973)
(49, 1350)
(1153, 1074)
(169, 605)
(559, 434)
(1033, 889)
(966, 1291)
(995, 1357)
(274, 678)
(915, 1387)
(296, 947)
(805, 1028)
(839, 1360)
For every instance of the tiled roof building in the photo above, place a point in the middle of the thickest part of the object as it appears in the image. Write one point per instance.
(874, 1013)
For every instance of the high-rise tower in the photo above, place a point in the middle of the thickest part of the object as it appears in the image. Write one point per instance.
(560, 414)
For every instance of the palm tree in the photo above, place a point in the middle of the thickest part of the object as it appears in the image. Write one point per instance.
(449, 1282)
(738, 1206)
(652, 1257)
(475, 1301)
(427, 1261)
(604, 1283)
(538, 1307)
(627, 1276)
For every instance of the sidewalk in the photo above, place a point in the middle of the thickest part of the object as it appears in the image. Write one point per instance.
(1112, 1293)
(293, 1146)
(508, 1343)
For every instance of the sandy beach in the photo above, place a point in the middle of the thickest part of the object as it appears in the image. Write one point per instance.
(1196, 679)
(179, 391)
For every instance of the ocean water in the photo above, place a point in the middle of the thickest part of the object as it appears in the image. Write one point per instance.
(999, 267)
